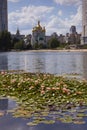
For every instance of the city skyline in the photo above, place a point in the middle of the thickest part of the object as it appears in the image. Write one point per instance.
(56, 15)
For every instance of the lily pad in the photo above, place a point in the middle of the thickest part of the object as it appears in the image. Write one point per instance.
(31, 124)
(1, 114)
(48, 122)
(79, 122)
(45, 96)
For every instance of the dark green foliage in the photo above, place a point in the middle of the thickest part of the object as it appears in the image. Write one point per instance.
(14, 40)
(19, 45)
(5, 41)
(53, 43)
(28, 46)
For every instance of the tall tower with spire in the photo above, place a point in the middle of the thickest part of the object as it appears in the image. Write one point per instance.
(84, 21)
(3, 15)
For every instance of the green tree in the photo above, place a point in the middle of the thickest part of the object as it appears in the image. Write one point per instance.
(19, 45)
(14, 41)
(53, 43)
(5, 41)
(35, 46)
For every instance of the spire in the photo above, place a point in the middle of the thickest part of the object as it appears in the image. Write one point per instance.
(17, 32)
(38, 23)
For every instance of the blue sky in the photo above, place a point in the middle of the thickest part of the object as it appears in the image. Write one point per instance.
(56, 15)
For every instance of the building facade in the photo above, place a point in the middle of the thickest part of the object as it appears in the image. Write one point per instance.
(73, 29)
(3, 15)
(84, 22)
(38, 35)
(18, 35)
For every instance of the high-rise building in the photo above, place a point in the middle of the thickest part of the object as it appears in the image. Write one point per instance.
(3, 15)
(73, 30)
(84, 21)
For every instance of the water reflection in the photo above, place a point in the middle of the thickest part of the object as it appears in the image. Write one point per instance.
(7, 104)
(47, 62)
(3, 61)
(9, 123)
(84, 63)
(39, 63)
(3, 104)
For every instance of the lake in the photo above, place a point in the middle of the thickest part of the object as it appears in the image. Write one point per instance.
(59, 63)
(7, 122)
(47, 62)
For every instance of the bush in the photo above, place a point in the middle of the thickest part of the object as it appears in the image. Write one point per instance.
(5, 41)
(19, 45)
(53, 43)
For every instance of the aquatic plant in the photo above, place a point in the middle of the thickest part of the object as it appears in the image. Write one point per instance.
(38, 95)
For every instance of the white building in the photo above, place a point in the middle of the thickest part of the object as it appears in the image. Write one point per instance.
(84, 22)
(38, 35)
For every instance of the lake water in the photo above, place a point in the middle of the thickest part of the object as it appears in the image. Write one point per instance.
(47, 62)
(7, 122)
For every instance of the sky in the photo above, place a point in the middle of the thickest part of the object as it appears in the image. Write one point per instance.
(56, 15)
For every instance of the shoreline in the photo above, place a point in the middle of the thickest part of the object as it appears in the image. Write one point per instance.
(48, 50)
(61, 50)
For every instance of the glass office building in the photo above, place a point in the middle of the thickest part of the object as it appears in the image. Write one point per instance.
(84, 21)
(3, 15)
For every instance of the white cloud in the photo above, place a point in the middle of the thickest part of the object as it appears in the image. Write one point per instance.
(62, 26)
(14, 0)
(60, 12)
(28, 16)
(67, 2)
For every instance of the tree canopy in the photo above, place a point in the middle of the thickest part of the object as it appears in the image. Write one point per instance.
(5, 41)
(53, 43)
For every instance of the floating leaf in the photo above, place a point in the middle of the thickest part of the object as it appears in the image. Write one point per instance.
(79, 122)
(45, 96)
(1, 114)
(32, 124)
(48, 122)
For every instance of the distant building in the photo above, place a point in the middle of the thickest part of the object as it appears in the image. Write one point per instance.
(54, 35)
(48, 38)
(73, 30)
(27, 39)
(18, 35)
(73, 37)
(38, 35)
(61, 38)
(67, 37)
(3, 16)
(84, 22)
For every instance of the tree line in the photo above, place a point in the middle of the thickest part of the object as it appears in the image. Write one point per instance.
(8, 43)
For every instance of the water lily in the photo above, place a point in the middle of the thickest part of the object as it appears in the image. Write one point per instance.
(38, 93)
(78, 92)
(42, 92)
(48, 88)
(65, 90)
(31, 87)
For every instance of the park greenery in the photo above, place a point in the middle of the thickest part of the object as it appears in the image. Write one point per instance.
(8, 43)
(5, 41)
(53, 43)
(45, 98)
